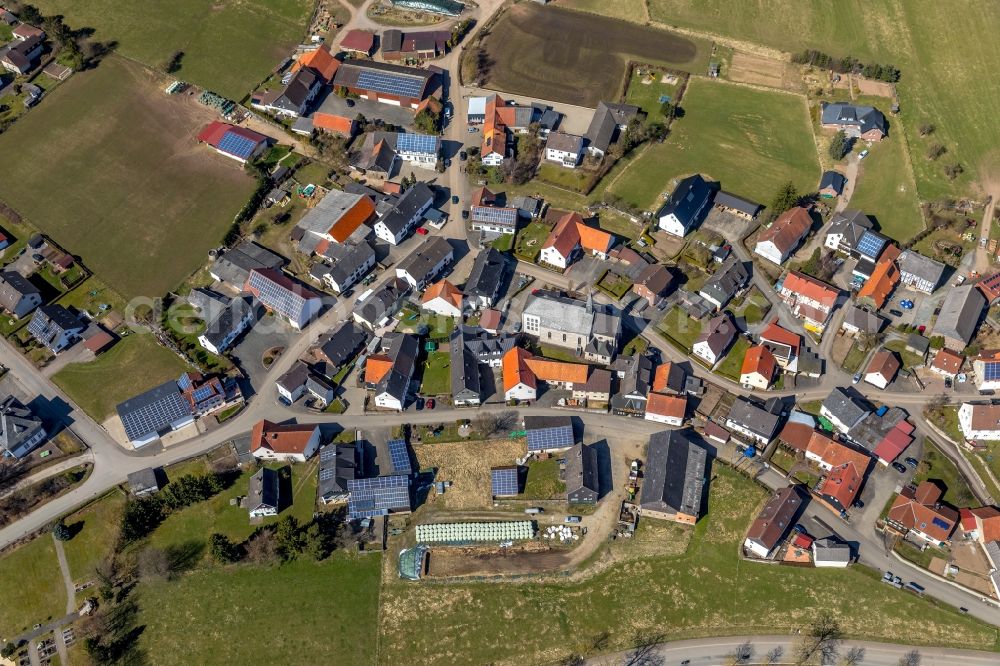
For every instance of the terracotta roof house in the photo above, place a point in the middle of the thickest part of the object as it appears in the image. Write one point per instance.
(919, 511)
(777, 242)
(981, 523)
(783, 344)
(337, 217)
(759, 368)
(238, 143)
(841, 486)
(809, 299)
(522, 371)
(321, 60)
(882, 369)
(571, 235)
(358, 41)
(883, 280)
(990, 286)
(774, 521)
(894, 443)
(442, 298)
(335, 123)
(668, 409)
(986, 368)
(289, 442)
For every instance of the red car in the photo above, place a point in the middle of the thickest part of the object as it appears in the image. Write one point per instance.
(421, 231)
(921, 329)
(430, 403)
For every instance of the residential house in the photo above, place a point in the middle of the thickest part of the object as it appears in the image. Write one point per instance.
(375, 309)
(829, 552)
(292, 385)
(948, 364)
(420, 150)
(668, 409)
(322, 391)
(467, 386)
(426, 262)
(979, 421)
(527, 207)
(774, 521)
(959, 316)
(321, 61)
(730, 203)
(18, 296)
(340, 217)
(280, 294)
(237, 143)
(390, 84)
(233, 266)
(986, 368)
(883, 280)
(809, 299)
(590, 330)
(673, 477)
(760, 368)
(350, 263)
(989, 285)
(842, 410)
(522, 372)
(442, 298)
(225, 323)
(635, 377)
(375, 161)
(399, 221)
(291, 99)
(571, 235)
(653, 283)
(684, 207)
(868, 251)
(564, 149)
(493, 219)
(777, 242)
(831, 184)
(894, 442)
(610, 119)
(20, 56)
(858, 320)
(334, 350)
(485, 280)
(864, 122)
(488, 348)
(759, 422)
(289, 442)
(919, 272)
(21, 431)
(546, 434)
(726, 283)
(143, 482)
(378, 496)
(715, 339)
(55, 327)
(393, 372)
(673, 379)
(338, 465)
(920, 512)
(981, 524)
(845, 230)
(783, 344)
(263, 493)
(500, 117)
(882, 369)
(582, 484)
(596, 391)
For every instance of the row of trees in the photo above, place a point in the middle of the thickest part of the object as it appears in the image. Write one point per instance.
(144, 514)
(848, 65)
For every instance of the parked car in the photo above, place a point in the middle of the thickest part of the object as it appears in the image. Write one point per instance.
(887, 577)
(573, 519)
(454, 198)
(899, 467)
(863, 155)
(895, 313)
(947, 382)
(473, 129)
(800, 528)
(447, 163)
(430, 403)
(465, 214)
(463, 156)
(912, 462)
(422, 231)
(959, 280)
(419, 404)
(856, 378)
(858, 504)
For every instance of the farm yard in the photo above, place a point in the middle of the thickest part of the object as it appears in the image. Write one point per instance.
(228, 46)
(751, 140)
(583, 70)
(125, 185)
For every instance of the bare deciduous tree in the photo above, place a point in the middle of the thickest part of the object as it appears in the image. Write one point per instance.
(153, 564)
(911, 658)
(262, 547)
(645, 652)
(854, 656)
(490, 424)
(774, 654)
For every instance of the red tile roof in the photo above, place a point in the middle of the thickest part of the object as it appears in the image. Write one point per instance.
(919, 509)
(666, 405)
(947, 361)
(884, 363)
(661, 375)
(894, 442)
(834, 454)
(570, 231)
(775, 333)
(987, 522)
(990, 286)
(377, 367)
(796, 435)
(883, 280)
(321, 61)
(445, 290)
(842, 483)
(490, 319)
(809, 287)
(213, 132)
(516, 370)
(786, 231)
(358, 40)
(331, 122)
(288, 439)
(760, 360)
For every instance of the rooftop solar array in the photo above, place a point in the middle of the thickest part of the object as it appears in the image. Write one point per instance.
(940, 523)
(416, 143)
(503, 481)
(870, 244)
(543, 439)
(283, 301)
(237, 145)
(505, 216)
(391, 84)
(153, 411)
(203, 393)
(991, 372)
(377, 496)
(399, 456)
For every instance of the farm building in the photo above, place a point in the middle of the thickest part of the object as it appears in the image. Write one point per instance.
(238, 143)
(382, 82)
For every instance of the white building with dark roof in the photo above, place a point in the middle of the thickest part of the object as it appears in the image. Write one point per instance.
(592, 331)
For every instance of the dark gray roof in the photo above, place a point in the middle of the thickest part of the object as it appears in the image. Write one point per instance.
(608, 116)
(581, 474)
(421, 263)
(918, 343)
(960, 313)
(833, 179)
(775, 519)
(17, 424)
(395, 384)
(486, 275)
(153, 411)
(872, 429)
(863, 117)
(263, 489)
(295, 377)
(465, 378)
(755, 418)
(864, 320)
(719, 333)
(918, 265)
(234, 265)
(729, 279)
(338, 464)
(402, 350)
(674, 474)
(850, 223)
(687, 199)
(383, 302)
(844, 407)
(570, 143)
(831, 550)
(348, 258)
(14, 287)
(143, 480)
(415, 198)
(340, 345)
(486, 347)
(737, 203)
(227, 320)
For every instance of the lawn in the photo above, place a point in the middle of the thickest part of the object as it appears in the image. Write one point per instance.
(135, 364)
(645, 91)
(680, 327)
(327, 611)
(614, 285)
(731, 365)
(753, 307)
(228, 46)
(943, 54)
(946, 420)
(30, 586)
(543, 480)
(855, 357)
(437, 374)
(750, 140)
(559, 353)
(704, 591)
(616, 223)
(125, 186)
(885, 191)
(530, 237)
(909, 359)
(95, 529)
(571, 179)
(934, 465)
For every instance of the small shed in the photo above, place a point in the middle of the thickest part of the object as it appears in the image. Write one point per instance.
(143, 482)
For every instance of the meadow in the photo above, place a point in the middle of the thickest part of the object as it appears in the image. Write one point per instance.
(31, 589)
(886, 192)
(112, 171)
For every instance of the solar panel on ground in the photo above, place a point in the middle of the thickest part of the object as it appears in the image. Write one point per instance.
(416, 143)
(234, 144)
(870, 244)
(399, 456)
(391, 84)
(560, 437)
(377, 496)
(503, 481)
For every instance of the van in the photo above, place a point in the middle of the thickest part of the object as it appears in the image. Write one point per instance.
(534, 510)
(573, 519)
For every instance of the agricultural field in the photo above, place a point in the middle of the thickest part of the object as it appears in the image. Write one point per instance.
(704, 590)
(750, 140)
(583, 70)
(126, 186)
(228, 46)
(886, 192)
(628, 10)
(944, 51)
(135, 364)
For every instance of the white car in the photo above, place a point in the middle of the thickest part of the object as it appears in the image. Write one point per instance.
(863, 155)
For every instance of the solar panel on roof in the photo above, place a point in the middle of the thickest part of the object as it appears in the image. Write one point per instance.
(391, 84)
(377, 496)
(153, 417)
(991, 372)
(503, 481)
(283, 301)
(506, 216)
(416, 143)
(940, 523)
(234, 144)
(399, 456)
(550, 438)
(203, 393)
(870, 245)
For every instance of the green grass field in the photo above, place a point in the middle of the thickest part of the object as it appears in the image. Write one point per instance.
(135, 364)
(934, 465)
(680, 327)
(944, 50)
(31, 587)
(646, 94)
(327, 611)
(437, 373)
(731, 365)
(96, 527)
(542, 481)
(125, 185)
(705, 590)
(228, 46)
(886, 191)
(752, 141)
